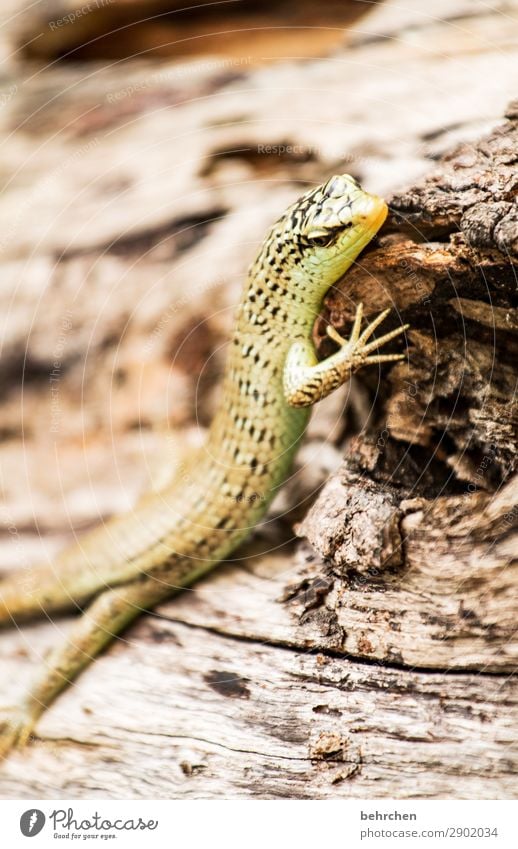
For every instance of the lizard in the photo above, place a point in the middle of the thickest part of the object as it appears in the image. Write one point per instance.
(272, 379)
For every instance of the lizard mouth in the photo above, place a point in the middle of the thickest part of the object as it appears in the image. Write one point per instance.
(367, 222)
(374, 212)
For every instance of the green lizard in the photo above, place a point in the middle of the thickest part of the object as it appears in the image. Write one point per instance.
(272, 379)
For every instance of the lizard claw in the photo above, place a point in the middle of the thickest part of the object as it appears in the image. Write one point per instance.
(15, 730)
(335, 336)
(355, 332)
(359, 350)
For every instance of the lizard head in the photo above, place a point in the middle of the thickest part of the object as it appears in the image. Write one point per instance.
(321, 234)
(340, 217)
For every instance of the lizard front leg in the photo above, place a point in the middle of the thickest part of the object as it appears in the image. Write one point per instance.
(106, 617)
(306, 380)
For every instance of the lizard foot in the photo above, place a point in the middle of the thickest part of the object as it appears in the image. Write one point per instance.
(16, 728)
(358, 345)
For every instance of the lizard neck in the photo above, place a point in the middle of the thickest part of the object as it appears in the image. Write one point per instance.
(280, 305)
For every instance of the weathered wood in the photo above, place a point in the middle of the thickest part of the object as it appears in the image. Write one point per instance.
(178, 711)
(374, 657)
(427, 583)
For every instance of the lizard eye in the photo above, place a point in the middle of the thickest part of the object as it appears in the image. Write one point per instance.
(322, 238)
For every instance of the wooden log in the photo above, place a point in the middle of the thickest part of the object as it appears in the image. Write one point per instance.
(370, 652)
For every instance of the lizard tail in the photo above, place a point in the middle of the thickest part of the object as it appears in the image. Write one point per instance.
(106, 557)
(36, 592)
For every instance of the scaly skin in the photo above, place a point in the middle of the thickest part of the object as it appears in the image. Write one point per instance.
(271, 380)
